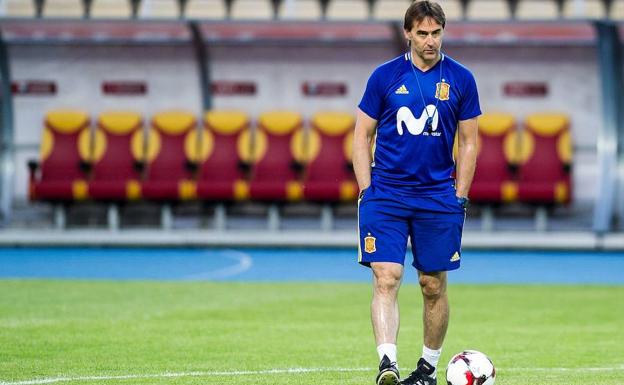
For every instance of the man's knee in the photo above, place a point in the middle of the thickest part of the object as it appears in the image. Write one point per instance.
(432, 286)
(387, 277)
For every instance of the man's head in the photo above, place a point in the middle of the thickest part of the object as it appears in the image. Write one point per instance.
(423, 26)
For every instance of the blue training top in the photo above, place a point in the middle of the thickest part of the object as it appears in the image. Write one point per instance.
(408, 153)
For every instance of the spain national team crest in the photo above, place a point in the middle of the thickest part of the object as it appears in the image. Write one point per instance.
(369, 244)
(443, 90)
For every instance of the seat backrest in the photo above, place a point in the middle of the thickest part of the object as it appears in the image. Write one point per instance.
(325, 150)
(300, 10)
(617, 10)
(488, 10)
(271, 148)
(65, 142)
(547, 149)
(205, 9)
(492, 161)
(63, 8)
(390, 9)
(166, 148)
(111, 9)
(537, 10)
(586, 9)
(220, 159)
(19, 8)
(453, 9)
(252, 9)
(348, 10)
(115, 139)
(159, 9)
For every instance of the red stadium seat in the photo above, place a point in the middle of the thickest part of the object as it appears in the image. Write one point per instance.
(65, 153)
(171, 149)
(221, 175)
(274, 171)
(494, 180)
(117, 149)
(545, 160)
(329, 176)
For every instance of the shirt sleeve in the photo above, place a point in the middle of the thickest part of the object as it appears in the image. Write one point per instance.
(372, 100)
(469, 104)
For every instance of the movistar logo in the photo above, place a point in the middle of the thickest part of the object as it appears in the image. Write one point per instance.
(414, 125)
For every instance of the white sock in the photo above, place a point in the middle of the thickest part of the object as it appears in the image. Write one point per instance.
(432, 357)
(389, 350)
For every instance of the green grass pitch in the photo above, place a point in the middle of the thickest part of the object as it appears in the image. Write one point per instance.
(100, 332)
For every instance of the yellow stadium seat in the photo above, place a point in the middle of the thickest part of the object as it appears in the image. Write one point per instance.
(488, 10)
(252, 9)
(347, 10)
(537, 10)
(159, 9)
(111, 9)
(63, 8)
(206, 9)
(300, 10)
(584, 9)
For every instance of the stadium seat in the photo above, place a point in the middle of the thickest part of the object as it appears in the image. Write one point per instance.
(64, 157)
(587, 9)
(205, 9)
(488, 10)
(117, 152)
(111, 9)
(328, 173)
(169, 153)
(275, 174)
(252, 9)
(221, 172)
(19, 8)
(347, 10)
(617, 10)
(300, 10)
(390, 9)
(493, 179)
(159, 9)
(544, 159)
(452, 9)
(63, 8)
(537, 10)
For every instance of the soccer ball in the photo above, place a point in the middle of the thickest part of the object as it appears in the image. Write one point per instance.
(470, 367)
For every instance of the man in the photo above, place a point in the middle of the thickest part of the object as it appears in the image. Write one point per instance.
(413, 106)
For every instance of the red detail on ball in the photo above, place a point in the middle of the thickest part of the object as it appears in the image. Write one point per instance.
(469, 378)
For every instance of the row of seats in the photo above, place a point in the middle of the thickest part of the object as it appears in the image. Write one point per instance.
(530, 162)
(226, 158)
(311, 9)
(175, 160)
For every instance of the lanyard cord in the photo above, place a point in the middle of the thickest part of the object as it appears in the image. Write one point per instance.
(429, 124)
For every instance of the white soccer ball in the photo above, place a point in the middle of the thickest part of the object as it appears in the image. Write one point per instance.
(470, 367)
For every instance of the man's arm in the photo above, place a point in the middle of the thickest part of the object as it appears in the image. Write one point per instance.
(466, 155)
(364, 130)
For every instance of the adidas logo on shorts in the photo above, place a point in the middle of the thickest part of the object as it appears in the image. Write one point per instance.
(455, 257)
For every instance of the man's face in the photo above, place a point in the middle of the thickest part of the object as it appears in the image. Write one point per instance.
(426, 38)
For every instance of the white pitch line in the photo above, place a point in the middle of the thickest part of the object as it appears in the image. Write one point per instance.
(53, 380)
(243, 263)
(185, 374)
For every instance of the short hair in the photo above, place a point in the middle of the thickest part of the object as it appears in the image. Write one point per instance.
(421, 9)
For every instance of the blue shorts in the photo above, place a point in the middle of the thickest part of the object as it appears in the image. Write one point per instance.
(386, 217)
